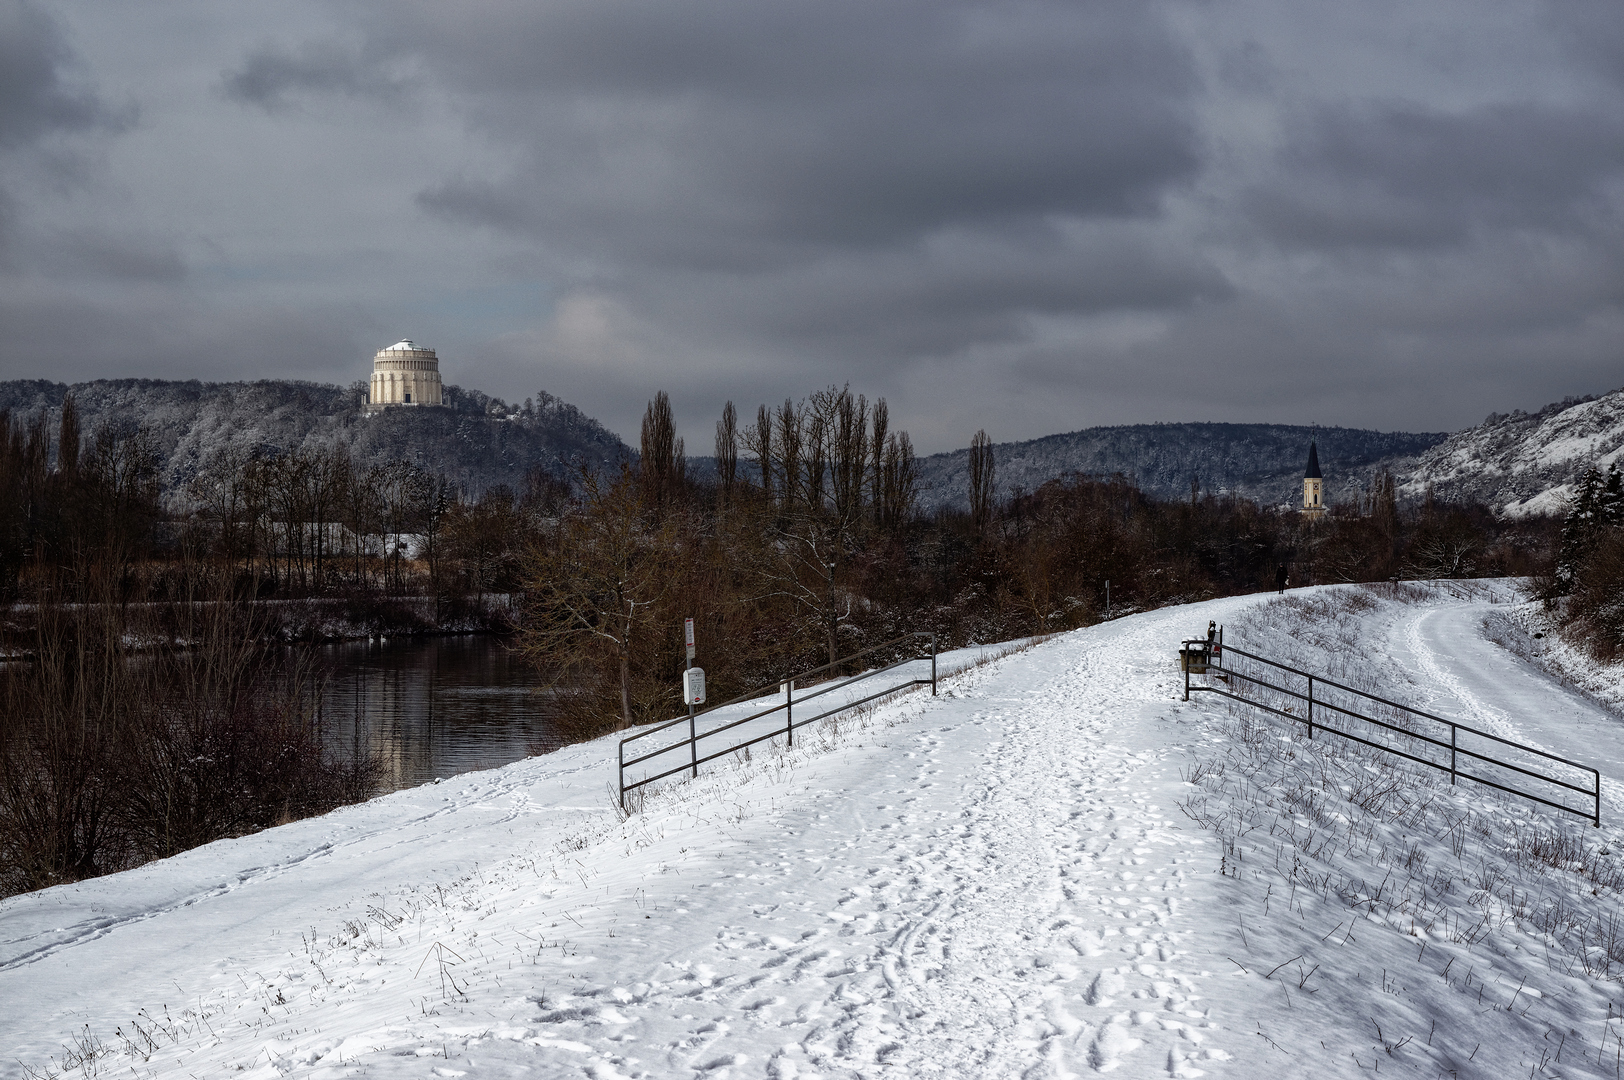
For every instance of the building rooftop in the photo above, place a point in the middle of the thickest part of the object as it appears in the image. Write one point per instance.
(1313, 470)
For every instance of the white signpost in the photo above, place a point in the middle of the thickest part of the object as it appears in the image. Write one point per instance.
(693, 691)
(693, 687)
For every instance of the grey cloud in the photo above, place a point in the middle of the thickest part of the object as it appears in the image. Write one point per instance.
(965, 290)
(1406, 176)
(96, 254)
(1028, 216)
(271, 76)
(743, 132)
(37, 93)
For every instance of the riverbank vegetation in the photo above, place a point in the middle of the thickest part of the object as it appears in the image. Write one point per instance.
(131, 734)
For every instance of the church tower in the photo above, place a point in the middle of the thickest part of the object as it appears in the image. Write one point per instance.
(404, 374)
(1313, 486)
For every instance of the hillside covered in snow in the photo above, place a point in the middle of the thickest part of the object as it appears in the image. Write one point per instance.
(477, 441)
(1256, 461)
(1522, 463)
(1055, 867)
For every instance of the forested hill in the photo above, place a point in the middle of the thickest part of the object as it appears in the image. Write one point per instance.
(1259, 461)
(476, 441)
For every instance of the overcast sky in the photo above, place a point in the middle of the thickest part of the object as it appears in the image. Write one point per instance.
(1027, 217)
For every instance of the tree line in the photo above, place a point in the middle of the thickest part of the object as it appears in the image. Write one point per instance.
(805, 547)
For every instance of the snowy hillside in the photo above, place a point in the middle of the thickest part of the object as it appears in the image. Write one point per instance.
(1524, 463)
(477, 441)
(1055, 867)
(1257, 461)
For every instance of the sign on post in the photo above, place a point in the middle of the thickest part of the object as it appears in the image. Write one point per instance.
(693, 686)
(688, 637)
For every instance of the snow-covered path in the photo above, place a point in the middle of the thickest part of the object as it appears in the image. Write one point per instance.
(995, 882)
(998, 881)
(1467, 677)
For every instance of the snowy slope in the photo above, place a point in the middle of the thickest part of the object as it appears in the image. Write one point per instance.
(1256, 461)
(1013, 878)
(1523, 463)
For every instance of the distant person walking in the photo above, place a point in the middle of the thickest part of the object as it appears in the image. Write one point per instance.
(1280, 578)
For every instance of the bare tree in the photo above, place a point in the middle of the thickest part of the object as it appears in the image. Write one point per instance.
(848, 456)
(660, 454)
(727, 451)
(788, 451)
(758, 443)
(876, 447)
(981, 482)
(595, 585)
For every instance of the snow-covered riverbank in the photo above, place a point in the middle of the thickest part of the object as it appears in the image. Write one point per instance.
(998, 881)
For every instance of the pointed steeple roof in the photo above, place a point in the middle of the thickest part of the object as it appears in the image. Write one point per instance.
(1313, 470)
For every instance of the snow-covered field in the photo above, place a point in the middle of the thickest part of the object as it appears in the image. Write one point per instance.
(1055, 867)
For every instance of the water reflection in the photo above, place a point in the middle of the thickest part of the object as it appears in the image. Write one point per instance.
(434, 707)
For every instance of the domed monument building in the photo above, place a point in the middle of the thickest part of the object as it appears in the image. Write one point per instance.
(404, 374)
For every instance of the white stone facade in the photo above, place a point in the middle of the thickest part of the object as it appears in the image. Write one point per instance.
(404, 374)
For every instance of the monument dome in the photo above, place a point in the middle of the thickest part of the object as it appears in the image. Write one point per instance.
(404, 374)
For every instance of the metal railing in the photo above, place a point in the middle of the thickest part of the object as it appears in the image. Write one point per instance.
(1530, 767)
(787, 705)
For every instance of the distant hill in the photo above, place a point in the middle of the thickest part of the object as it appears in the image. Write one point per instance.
(476, 440)
(1256, 461)
(1523, 463)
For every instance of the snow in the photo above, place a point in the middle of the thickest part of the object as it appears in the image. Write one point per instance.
(1522, 464)
(1026, 875)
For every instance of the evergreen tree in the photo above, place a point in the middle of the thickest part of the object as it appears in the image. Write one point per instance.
(1581, 528)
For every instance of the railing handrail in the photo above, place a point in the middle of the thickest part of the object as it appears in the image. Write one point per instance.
(774, 687)
(786, 705)
(1457, 725)
(1215, 660)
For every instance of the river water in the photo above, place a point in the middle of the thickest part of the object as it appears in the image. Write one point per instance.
(432, 707)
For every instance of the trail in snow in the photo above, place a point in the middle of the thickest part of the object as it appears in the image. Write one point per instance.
(1000, 882)
(1473, 680)
(995, 882)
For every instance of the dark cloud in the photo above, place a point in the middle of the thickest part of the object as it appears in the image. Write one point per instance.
(738, 132)
(1026, 216)
(97, 255)
(37, 93)
(1400, 175)
(272, 75)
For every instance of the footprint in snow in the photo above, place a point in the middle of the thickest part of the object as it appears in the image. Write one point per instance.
(1104, 985)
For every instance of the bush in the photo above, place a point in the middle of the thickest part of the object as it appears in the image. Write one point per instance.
(123, 743)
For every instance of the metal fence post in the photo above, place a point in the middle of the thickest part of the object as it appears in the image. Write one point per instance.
(1311, 707)
(693, 741)
(789, 711)
(933, 665)
(1596, 821)
(623, 776)
(1184, 662)
(1451, 755)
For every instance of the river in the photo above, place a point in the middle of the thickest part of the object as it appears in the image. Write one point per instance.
(432, 707)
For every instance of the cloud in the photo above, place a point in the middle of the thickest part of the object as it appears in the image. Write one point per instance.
(742, 135)
(1027, 216)
(1400, 175)
(38, 95)
(272, 75)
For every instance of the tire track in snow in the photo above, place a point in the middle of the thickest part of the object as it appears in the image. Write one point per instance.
(1485, 715)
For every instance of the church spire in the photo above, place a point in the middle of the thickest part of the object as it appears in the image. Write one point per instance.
(1313, 486)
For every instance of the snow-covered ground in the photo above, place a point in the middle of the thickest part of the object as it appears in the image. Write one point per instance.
(1055, 867)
